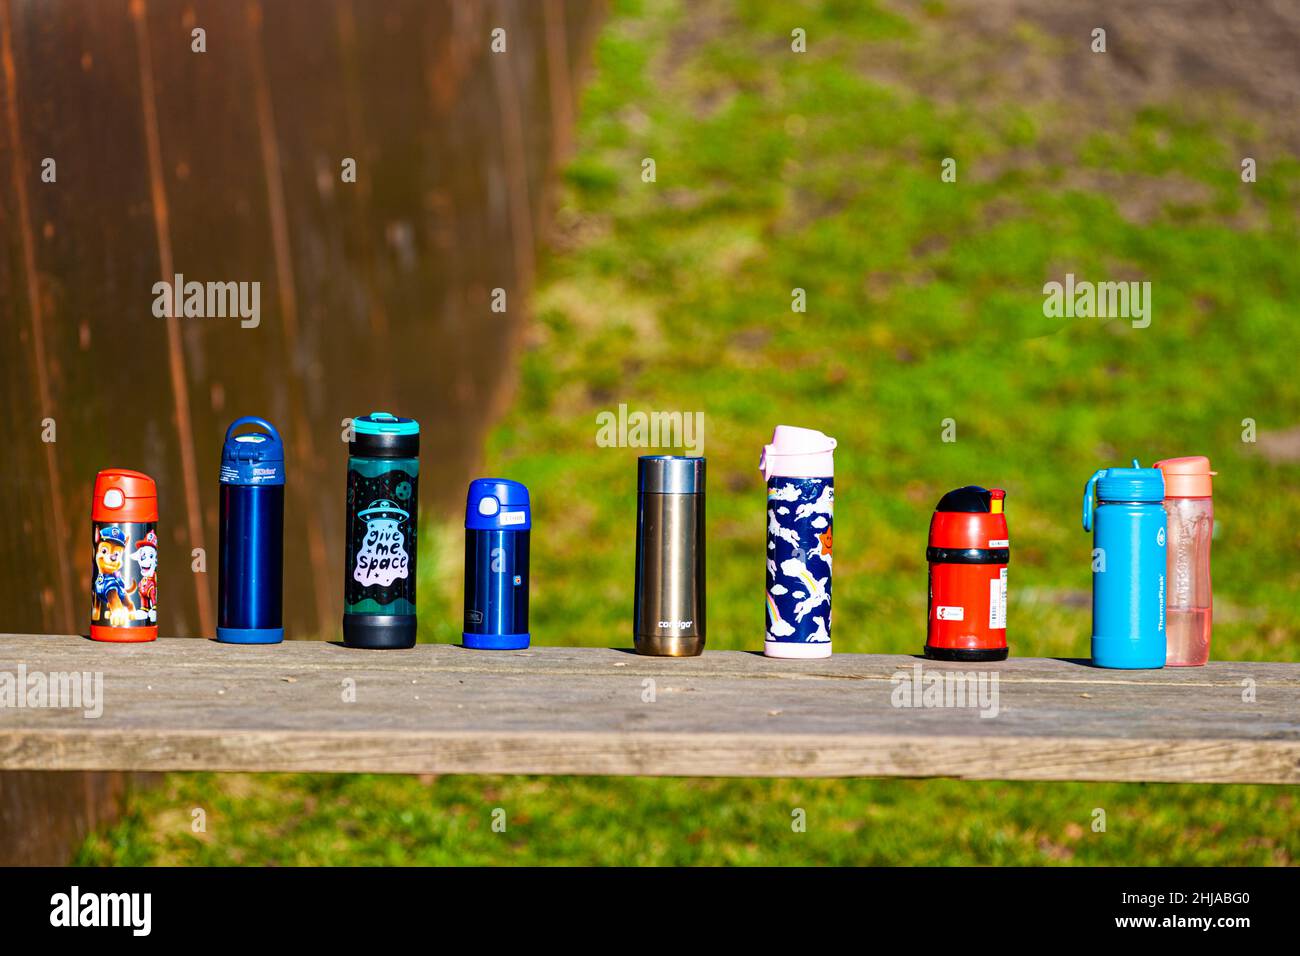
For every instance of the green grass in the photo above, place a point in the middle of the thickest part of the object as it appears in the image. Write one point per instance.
(366, 820)
(778, 171)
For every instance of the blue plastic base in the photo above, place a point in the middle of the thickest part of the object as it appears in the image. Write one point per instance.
(250, 635)
(495, 642)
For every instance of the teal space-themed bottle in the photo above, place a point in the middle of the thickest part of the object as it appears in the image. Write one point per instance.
(382, 517)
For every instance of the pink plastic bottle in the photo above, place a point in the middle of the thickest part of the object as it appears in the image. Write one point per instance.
(1189, 513)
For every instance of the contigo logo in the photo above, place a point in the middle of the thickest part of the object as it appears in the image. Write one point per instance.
(679, 625)
(74, 908)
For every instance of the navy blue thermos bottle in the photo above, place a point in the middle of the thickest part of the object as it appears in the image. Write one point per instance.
(251, 563)
(498, 519)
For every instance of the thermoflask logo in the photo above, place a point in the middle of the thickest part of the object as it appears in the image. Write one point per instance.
(209, 300)
(1099, 300)
(651, 430)
(75, 908)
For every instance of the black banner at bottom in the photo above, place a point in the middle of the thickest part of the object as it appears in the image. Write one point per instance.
(337, 905)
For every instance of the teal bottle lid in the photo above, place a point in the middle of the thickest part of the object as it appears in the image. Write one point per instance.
(384, 435)
(385, 423)
(1136, 484)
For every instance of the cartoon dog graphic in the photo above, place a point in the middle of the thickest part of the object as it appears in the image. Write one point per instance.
(112, 596)
(146, 555)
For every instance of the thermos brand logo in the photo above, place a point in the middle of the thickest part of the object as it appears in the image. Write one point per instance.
(626, 429)
(974, 689)
(209, 300)
(1098, 300)
(74, 908)
(57, 690)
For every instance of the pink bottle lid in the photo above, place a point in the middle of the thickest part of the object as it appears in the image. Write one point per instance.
(1187, 477)
(798, 453)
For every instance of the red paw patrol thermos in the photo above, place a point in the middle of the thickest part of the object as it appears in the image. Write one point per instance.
(968, 557)
(124, 572)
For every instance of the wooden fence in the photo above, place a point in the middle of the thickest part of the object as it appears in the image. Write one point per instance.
(140, 139)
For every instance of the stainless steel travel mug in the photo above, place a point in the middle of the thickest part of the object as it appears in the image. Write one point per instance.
(669, 615)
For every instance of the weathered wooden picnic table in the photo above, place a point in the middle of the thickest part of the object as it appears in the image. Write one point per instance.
(188, 704)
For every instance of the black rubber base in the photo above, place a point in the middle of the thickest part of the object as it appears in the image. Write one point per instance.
(379, 632)
(966, 655)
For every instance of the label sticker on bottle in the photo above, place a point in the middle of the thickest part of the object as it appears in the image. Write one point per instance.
(512, 517)
(998, 601)
(999, 543)
(380, 540)
(124, 587)
(945, 613)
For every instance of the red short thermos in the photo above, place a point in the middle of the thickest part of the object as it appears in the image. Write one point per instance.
(124, 576)
(968, 557)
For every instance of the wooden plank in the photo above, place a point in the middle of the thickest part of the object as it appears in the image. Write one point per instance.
(185, 704)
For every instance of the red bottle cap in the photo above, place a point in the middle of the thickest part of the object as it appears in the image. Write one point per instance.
(124, 495)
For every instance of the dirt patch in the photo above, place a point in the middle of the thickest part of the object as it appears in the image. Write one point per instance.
(1280, 447)
(1197, 54)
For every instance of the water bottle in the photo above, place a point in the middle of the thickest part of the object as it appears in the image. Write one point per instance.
(382, 518)
(124, 579)
(799, 467)
(968, 553)
(498, 519)
(668, 613)
(1189, 512)
(1128, 561)
(251, 561)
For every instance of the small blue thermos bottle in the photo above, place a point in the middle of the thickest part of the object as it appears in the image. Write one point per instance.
(251, 563)
(498, 519)
(1128, 566)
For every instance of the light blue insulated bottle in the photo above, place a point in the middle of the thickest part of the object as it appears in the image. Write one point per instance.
(1126, 506)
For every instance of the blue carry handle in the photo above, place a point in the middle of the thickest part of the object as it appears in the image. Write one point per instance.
(254, 420)
(1089, 497)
